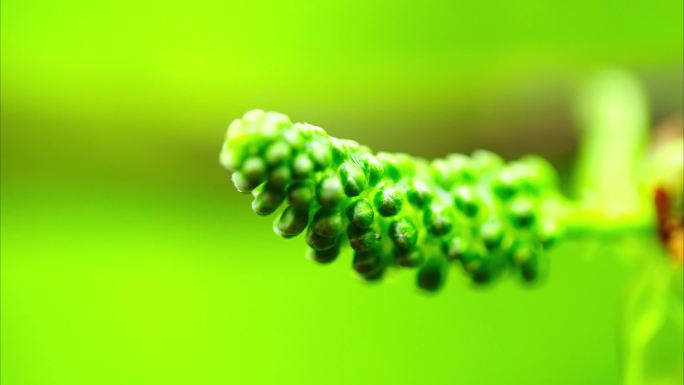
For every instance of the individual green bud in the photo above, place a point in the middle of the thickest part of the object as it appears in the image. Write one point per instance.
(466, 201)
(521, 213)
(408, 258)
(472, 260)
(492, 233)
(325, 256)
(302, 166)
(387, 201)
(419, 194)
(280, 176)
(360, 213)
(367, 262)
(327, 223)
(363, 239)
(294, 138)
(351, 145)
(242, 184)
(318, 242)
(301, 194)
(390, 164)
(267, 200)
(274, 123)
(482, 274)
(252, 149)
(486, 161)
(539, 174)
(254, 170)
(457, 248)
(461, 169)
(353, 179)
(530, 269)
(506, 184)
(245, 138)
(440, 172)
(330, 191)
(277, 153)
(403, 233)
(338, 149)
(310, 132)
(239, 132)
(432, 274)
(438, 220)
(230, 159)
(479, 266)
(254, 116)
(528, 177)
(321, 155)
(373, 168)
(520, 253)
(406, 164)
(292, 222)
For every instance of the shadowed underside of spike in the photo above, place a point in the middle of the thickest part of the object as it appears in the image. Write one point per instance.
(394, 210)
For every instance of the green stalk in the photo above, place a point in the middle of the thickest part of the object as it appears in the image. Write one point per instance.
(613, 116)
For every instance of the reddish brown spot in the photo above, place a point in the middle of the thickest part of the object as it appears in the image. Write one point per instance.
(670, 230)
(662, 204)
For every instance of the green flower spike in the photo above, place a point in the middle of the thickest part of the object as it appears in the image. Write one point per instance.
(396, 211)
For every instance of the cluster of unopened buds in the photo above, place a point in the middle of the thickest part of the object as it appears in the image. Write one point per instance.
(395, 210)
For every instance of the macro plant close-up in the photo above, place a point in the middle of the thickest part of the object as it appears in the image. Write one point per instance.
(393, 209)
(337, 192)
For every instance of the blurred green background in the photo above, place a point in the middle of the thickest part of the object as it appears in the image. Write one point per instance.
(128, 258)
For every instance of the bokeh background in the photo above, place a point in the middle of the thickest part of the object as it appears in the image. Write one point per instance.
(128, 258)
